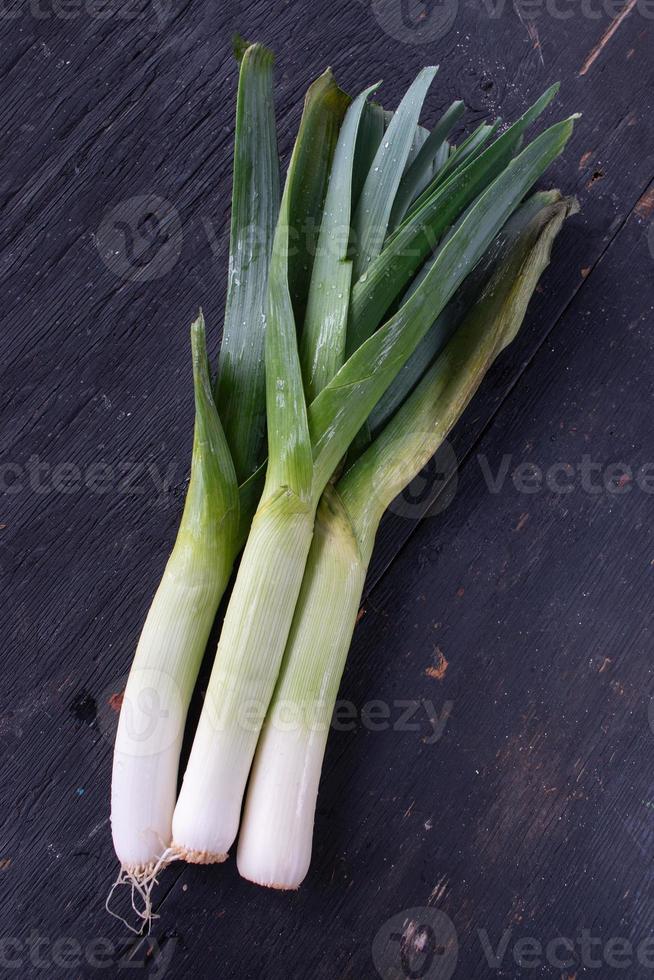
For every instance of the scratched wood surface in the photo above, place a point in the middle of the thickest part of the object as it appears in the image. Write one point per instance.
(506, 803)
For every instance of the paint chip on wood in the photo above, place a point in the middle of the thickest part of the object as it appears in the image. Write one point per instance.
(438, 669)
(606, 37)
(115, 701)
(645, 206)
(584, 159)
(522, 521)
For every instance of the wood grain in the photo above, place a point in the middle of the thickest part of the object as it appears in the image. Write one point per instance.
(532, 811)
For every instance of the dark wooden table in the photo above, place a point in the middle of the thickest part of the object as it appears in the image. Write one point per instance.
(514, 810)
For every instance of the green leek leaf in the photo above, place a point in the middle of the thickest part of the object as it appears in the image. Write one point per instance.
(435, 340)
(324, 108)
(322, 341)
(342, 407)
(371, 131)
(240, 385)
(374, 206)
(412, 436)
(212, 497)
(410, 244)
(419, 174)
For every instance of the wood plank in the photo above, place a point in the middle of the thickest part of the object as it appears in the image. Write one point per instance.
(96, 369)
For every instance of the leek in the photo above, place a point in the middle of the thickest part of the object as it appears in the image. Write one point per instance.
(173, 641)
(217, 513)
(275, 841)
(305, 446)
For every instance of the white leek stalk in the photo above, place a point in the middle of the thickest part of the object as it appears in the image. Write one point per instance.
(274, 846)
(251, 645)
(173, 641)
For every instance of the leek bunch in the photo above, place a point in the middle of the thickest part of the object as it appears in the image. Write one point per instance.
(397, 269)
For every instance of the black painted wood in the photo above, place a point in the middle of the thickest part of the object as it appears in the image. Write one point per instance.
(533, 810)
